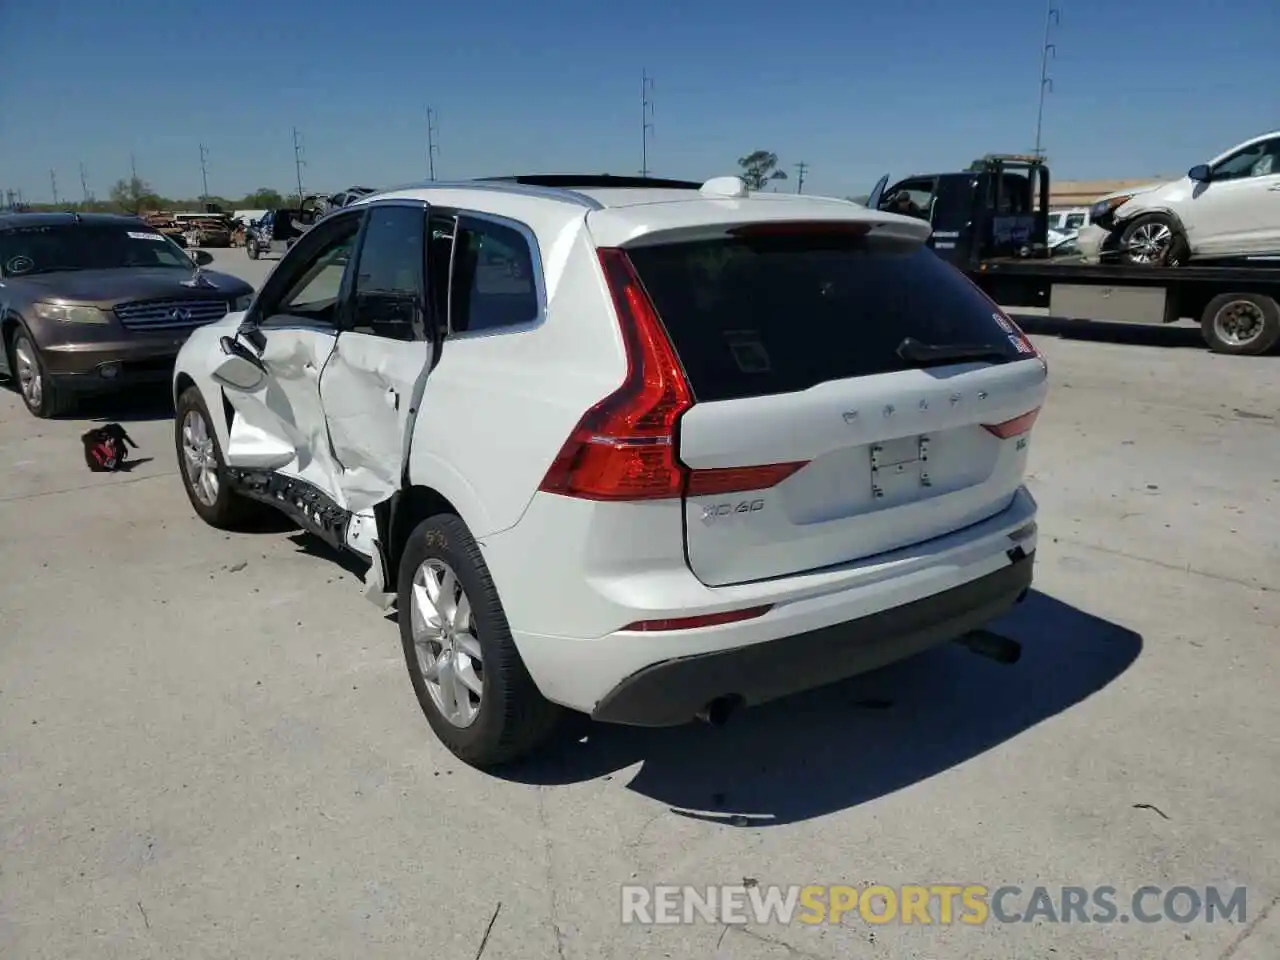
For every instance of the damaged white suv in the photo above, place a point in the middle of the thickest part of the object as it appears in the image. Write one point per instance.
(649, 450)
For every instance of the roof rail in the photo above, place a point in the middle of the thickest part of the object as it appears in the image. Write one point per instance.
(580, 181)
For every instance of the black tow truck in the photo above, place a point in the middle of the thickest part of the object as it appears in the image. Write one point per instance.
(992, 223)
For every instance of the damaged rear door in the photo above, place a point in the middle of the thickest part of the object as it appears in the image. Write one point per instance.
(372, 385)
(277, 422)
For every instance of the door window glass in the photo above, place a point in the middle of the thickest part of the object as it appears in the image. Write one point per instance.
(390, 285)
(312, 275)
(493, 282)
(1255, 160)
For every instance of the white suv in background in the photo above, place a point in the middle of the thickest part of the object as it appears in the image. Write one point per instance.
(644, 449)
(1227, 208)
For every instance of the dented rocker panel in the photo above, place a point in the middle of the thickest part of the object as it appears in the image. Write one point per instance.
(305, 504)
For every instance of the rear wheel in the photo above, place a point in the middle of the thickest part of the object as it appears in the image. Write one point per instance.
(1153, 240)
(463, 663)
(204, 472)
(40, 393)
(1241, 323)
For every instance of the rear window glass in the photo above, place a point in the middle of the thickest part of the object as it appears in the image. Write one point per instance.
(751, 317)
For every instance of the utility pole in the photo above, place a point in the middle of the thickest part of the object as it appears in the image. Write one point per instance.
(204, 173)
(432, 146)
(53, 186)
(133, 167)
(1048, 50)
(298, 162)
(84, 184)
(646, 120)
(801, 169)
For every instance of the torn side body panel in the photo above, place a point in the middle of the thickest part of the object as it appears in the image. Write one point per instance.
(371, 389)
(279, 422)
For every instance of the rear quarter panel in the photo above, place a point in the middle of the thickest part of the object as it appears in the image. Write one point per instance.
(500, 404)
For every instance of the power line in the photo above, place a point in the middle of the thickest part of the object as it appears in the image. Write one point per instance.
(646, 120)
(1051, 19)
(84, 184)
(298, 162)
(204, 172)
(801, 169)
(53, 186)
(432, 146)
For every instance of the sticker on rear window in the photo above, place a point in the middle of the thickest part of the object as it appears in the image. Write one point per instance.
(146, 236)
(748, 352)
(1005, 325)
(19, 264)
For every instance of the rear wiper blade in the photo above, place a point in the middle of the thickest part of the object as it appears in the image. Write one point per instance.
(914, 351)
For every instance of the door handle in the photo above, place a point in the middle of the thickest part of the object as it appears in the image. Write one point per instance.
(1274, 188)
(393, 398)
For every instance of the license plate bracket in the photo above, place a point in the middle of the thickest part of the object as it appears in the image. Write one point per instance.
(899, 467)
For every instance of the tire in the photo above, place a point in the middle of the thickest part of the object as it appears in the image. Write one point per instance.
(225, 509)
(1154, 240)
(251, 249)
(41, 395)
(1245, 324)
(509, 718)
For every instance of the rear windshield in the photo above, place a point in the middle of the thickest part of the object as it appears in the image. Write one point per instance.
(51, 248)
(751, 317)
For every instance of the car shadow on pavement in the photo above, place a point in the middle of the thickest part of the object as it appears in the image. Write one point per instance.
(136, 405)
(1103, 331)
(846, 744)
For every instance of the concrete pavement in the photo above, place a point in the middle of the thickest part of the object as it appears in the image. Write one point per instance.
(210, 747)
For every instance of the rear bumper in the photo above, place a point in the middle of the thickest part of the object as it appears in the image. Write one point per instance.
(671, 693)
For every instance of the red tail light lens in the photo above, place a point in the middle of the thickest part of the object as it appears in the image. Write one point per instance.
(733, 479)
(1014, 427)
(706, 620)
(623, 448)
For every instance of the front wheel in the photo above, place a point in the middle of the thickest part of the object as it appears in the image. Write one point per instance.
(1241, 323)
(1154, 240)
(462, 661)
(251, 248)
(204, 472)
(42, 396)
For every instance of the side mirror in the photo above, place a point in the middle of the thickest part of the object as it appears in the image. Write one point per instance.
(202, 258)
(1200, 173)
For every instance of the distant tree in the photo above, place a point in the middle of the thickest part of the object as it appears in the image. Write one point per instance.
(759, 167)
(264, 198)
(134, 195)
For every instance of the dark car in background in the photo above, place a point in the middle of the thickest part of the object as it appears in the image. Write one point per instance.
(95, 302)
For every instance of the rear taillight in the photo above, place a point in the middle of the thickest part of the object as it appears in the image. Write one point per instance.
(623, 448)
(1014, 427)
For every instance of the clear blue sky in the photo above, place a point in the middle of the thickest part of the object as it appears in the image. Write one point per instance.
(853, 88)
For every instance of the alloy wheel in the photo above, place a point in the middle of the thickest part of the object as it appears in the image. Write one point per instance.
(444, 638)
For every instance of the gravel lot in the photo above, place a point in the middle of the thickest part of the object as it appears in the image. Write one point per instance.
(210, 748)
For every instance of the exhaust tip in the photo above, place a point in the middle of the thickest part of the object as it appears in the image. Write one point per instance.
(718, 711)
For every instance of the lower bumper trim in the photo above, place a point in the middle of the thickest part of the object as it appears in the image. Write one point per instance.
(671, 693)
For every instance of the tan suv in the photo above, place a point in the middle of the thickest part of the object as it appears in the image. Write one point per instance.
(95, 302)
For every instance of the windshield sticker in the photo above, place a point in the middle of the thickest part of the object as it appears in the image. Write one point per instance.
(157, 237)
(1005, 325)
(1019, 344)
(19, 265)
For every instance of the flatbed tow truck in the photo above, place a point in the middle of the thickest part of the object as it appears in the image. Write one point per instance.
(991, 222)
